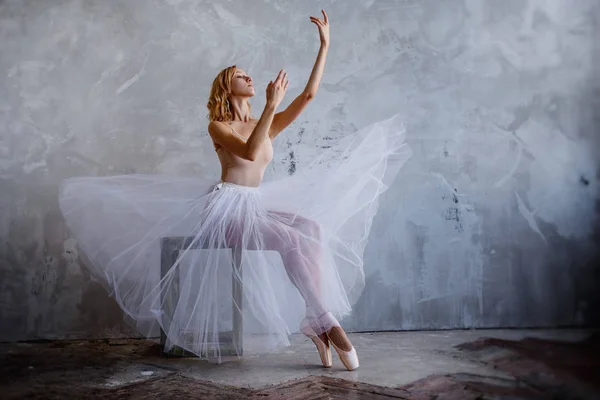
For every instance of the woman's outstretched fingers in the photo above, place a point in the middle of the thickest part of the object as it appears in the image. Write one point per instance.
(282, 78)
(279, 76)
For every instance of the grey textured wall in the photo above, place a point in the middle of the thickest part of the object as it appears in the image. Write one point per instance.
(494, 222)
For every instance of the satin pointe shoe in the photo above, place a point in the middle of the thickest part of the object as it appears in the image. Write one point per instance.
(322, 347)
(348, 358)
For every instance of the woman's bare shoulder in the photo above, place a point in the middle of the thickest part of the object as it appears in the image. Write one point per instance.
(218, 127)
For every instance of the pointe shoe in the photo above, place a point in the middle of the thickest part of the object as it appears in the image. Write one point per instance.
(322, 348)
(348, 358)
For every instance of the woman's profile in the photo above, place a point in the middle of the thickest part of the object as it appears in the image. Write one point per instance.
(297, 241)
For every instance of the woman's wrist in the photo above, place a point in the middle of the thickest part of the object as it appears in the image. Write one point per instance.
(271, 105)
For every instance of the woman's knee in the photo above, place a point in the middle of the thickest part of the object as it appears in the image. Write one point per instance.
(310, 227)
(305, 225)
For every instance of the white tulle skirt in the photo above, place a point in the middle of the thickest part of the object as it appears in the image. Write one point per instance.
(217, 265)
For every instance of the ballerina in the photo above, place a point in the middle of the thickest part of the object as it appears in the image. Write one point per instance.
(315, 221)
(245, 146)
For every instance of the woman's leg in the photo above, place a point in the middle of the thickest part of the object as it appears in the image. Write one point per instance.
(298, 241)
(301, 255)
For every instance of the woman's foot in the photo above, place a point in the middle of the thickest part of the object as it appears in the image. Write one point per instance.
(339, 340)
(341, 343)
(336, 336)
(322, 344)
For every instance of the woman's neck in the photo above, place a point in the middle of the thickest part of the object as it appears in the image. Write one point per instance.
(239, 110)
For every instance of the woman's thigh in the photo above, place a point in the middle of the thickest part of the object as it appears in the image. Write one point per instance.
(305, 226)
(281, 232)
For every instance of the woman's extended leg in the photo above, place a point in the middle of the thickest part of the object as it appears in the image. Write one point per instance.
(301, 255)
(298, 241)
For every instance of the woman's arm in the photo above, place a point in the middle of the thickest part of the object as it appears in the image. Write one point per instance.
(222, 133)
(282, 119)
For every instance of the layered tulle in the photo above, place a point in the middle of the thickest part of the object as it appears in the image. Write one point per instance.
(206, 260)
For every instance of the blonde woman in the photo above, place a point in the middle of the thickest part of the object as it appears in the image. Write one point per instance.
(298, 241)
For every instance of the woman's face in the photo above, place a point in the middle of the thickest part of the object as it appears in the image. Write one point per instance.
(241, 84)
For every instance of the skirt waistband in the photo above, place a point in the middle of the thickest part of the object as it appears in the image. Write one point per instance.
(222, 184)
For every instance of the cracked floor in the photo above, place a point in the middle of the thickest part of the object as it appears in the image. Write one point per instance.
(467, 364)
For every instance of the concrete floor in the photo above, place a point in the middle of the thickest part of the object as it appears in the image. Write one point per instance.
(387, 359)
(534, 363)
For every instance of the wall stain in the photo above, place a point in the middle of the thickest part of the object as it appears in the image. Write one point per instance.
(292, 167)
(454, 213)
(301, 134)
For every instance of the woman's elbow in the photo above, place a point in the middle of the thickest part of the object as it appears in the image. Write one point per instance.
(308, 96)
(250, 156)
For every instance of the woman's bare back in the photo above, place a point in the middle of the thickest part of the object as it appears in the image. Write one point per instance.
(240, 171)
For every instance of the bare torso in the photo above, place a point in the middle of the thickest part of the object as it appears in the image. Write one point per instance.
(237, 170)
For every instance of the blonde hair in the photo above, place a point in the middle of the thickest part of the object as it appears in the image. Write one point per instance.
(219, 108)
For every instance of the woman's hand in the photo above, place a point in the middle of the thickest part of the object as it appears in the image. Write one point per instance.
(276, 90)
(323, 25)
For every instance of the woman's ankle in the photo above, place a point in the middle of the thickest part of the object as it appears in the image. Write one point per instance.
(338, 337)
(320, 324)
(326, 321)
